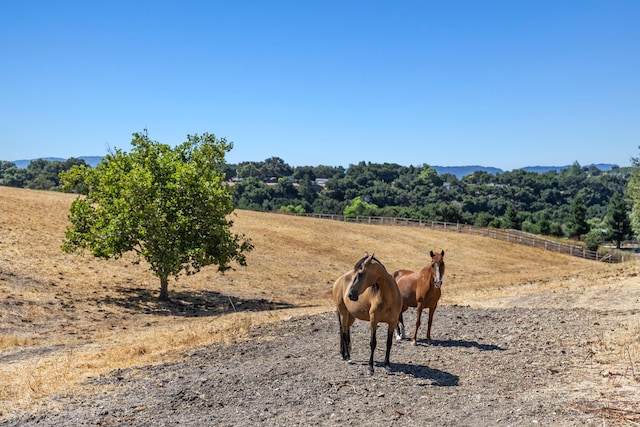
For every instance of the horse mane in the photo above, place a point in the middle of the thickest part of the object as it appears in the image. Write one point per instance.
(360, 262)
(364, 258)
(375, 287)
(381, 264)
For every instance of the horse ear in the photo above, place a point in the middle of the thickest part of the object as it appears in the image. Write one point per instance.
(361, 261)
(370, 258)
(432, 254)
(442, 252)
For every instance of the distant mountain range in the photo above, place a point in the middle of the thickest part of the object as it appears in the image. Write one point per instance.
(458, 171)
(90, 160)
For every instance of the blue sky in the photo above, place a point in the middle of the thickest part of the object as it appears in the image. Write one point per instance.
(449, 83)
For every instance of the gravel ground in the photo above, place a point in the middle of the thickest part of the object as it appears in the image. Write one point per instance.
(501, 367)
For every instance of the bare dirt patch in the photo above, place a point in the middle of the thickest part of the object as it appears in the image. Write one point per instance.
(512, 366)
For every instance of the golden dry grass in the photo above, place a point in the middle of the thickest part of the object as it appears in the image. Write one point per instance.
(66, 317)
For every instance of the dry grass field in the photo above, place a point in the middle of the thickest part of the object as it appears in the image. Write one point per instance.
(64, 318)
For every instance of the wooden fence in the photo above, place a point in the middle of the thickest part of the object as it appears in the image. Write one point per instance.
(513, 236)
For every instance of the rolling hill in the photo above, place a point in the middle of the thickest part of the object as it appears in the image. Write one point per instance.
(67, 317)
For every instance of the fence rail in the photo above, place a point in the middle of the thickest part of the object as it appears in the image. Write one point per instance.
(513, 236)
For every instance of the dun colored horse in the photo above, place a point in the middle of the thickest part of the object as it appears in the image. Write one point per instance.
(420, 289)
(368, 292)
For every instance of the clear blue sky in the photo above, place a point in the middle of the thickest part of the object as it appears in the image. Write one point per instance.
(494, 83)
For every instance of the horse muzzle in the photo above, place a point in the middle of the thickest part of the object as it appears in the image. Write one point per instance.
(353, 296)
(438, 283)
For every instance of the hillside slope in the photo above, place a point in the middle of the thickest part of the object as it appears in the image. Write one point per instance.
(66, 317)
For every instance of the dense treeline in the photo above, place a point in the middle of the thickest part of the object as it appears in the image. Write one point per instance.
(574, 201)
(38, 175)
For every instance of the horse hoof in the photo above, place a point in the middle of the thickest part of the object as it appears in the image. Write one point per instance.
(370, 370)
(414, 343)
(349, 361)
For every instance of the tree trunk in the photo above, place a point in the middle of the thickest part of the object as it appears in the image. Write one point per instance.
(164, 289)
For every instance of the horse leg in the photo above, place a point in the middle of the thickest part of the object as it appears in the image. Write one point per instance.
(342, 337)
(345, 337)
(389, 341)
(372, 344)
(431, 311)
(418, 316)
(399, 330)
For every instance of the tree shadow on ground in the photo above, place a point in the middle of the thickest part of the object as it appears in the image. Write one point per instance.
(437, 377)
(188, 304)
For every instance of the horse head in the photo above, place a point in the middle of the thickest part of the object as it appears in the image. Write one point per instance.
(363, 277)
(437, 268)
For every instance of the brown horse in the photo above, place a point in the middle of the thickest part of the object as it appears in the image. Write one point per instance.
(368, 292)
(420, 289)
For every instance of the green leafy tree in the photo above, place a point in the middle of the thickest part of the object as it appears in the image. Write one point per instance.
(276, 167)
(510, 219)
(324, 171)
(273, 167)
(359, 207)
(169, 206)
(555, 229)
(251, 193)
(306, 178)
(633, 192)
(327, 205)
(429, 174)
(617, 220)
(593, 239)
(578, 224)
(294, 209)
(41, 175)
(483, 219)
(250, 169)
(230, 171)
(13, 176)
(544, 224)
(529, 227)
